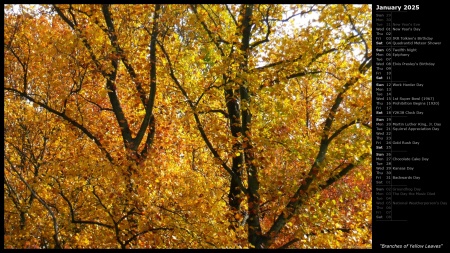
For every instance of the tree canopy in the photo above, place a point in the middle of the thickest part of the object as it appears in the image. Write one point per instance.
(187, 126)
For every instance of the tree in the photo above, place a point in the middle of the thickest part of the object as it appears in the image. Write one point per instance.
(188, 126)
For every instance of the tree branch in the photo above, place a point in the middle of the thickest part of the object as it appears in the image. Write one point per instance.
(197, 120)
(144, 232)
(286, 245)
(344, 171)
(110, 77)
(55, 222)
(210, 34)
(311, 9)
(224, 113)
(72, 211)
(65, 117)
(296, 200)
(113, 38)
(151, 100)
(231, 15)
(266, 39)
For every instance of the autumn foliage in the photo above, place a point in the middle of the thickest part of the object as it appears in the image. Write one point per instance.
(187, 126)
